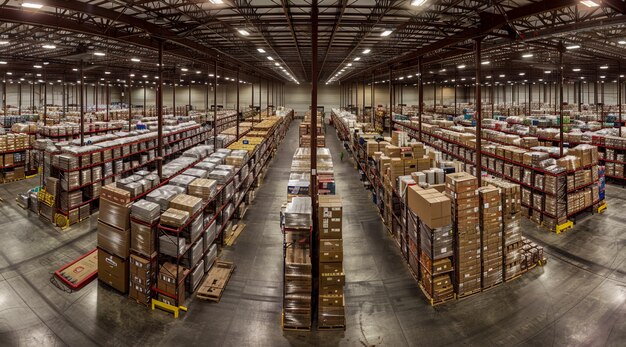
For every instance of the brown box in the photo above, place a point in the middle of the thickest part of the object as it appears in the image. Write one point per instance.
(331, 268)
(114, 214)
(331, 256)
(112, 193)
(331, 245)
(331, 301)
(432, 207)
(331, 290)
(114, 240)
(113, 270)
(332, 280)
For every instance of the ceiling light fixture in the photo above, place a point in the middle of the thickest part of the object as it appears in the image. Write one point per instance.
(386, 33)
(573, 47)
(261, 50)
(417, 2)
(589, 3)
(502, 76)
(107, 72)
(349, 64)
(461, 66)
(604, 67)
(32, 5)
(622, 42)
(216, 2)
(100, 54)
(485, 62)
(49, 46)
(2, 42)
(576, 70)
(277, 64)
(37, 66)
(3, 62)
(243, 32)
(135, 60)
(357, 58)
(547, 71)
(522, 73)
(367, 51)
(269, 58)
(527, 55)
(184, 69)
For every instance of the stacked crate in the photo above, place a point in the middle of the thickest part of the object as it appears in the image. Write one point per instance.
(298, 283)
(331, 313)
(512, 232)
(461, 189)
(491, 227)
(142, 278)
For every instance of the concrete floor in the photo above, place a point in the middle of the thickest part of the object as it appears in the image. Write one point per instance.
(577, 299)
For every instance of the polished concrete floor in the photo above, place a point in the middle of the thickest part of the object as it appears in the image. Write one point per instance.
(577, 299)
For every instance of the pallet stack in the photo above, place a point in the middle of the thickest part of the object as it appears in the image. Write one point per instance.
(114, 238)
(331, 313)
(491, 226)
(512, 232)
(305, 132)
(298, 280)
(461, 189)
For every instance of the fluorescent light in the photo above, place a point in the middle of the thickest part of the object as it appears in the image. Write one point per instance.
(461, 66)
(211, 75)
(522, 73)
(547, 71)
(409, 76)
(74, 69)
(132, 75)
(276, 64)
(145, 76)
(603, 77)
(49, 46)
(107, 72)
(4, 42)
(573, 47)
(502, 76)
(485, 62)
(243, 32)
(622, 42)
(32, 5)
(589, 3)
(386, 33)
(269, 58)
(527, 55)
(367, 51)
(349, 64)
(216, 2)
(100, 54)
(604, 67)
(37, 66)
(3, 62)
(417, 2)
(576, 70)
(357, 58)
(136, 60)
(488, 77)
(261, 50)
(184, 69)
(444, 70)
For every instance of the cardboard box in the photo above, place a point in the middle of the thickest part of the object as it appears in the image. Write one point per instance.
(432, 207)
(331, 290)
(113, 270)
(113, 240)
(331, 256)
(331, 245)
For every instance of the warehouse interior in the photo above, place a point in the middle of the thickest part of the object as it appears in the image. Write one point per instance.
(312, 172)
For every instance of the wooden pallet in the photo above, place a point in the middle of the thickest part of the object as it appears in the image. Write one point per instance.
(431, 300)
(234, 234)
(214, 284)
(470, 293)
(331, 327)
(492, 286)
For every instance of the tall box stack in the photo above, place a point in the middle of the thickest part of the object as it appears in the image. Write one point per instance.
(331, 313)
(114, 241)
(512, 232)
(461, 189)
(298, 280)
(491, 226)
(436, 253)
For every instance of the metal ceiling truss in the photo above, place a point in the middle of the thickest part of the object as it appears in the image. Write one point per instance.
(197, 32)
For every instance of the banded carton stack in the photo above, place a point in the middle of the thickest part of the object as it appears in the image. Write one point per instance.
(461, 189)
(331, 313)
(512, 232)
(491, 226)
(298, 281)
(436, 242)
(305, 132)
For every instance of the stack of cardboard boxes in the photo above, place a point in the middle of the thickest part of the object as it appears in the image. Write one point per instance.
(510, 195)
(436, 240)
(305, 133)
(142, 277)
(298, 283)
(491, 226)
(461, 189)
(331, 312)
(114, 238)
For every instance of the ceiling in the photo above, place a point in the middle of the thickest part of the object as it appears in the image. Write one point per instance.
(196, 33)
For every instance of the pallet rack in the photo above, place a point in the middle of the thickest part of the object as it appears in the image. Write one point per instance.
(499, 166)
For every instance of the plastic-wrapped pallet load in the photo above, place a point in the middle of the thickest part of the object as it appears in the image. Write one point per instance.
(182, 181)
(203, 188)
(174, 218)
(491, 226)
(145, 211)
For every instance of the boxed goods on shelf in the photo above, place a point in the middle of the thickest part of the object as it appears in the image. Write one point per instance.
(142, 277)
(113, 270)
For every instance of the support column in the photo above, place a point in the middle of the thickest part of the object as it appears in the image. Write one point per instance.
(215, 106)
(619, 96)
(260, 99)
(373, 101)
(267, 97)
(420, 83)
(188, 101)
(82, 105)
(479, 135)
(108, 99)
(45, 97)
(314, 78)
(237, 118)
(159, 106)
(130, 106)
(363, 110)
(4, 94)
(561, 49)
(390, 112)
(174, 99)
(19, 99)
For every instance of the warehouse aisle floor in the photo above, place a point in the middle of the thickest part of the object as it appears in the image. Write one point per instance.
(578, 298)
